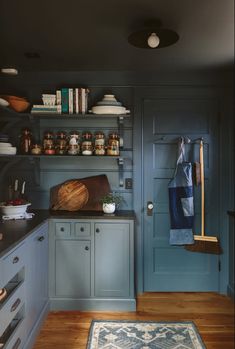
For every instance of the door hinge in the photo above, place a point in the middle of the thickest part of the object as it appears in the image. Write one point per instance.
(219, 266)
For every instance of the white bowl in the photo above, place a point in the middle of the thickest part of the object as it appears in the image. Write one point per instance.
(48, 99)
(7, 210)
(109, 109)
(3, 102)
(8, 151)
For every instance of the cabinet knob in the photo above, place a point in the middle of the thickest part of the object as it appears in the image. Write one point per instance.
(97, 230)
(15, 260)
(81, 229)
(87, 248)
(62, 229)
(41, 238)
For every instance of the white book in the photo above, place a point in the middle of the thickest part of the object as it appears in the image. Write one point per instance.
(58, 97)
(76, 101)
(44, 106)
(70, 101)
(83, 98)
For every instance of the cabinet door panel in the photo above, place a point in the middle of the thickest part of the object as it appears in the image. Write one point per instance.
(112, 266)
(72, 274)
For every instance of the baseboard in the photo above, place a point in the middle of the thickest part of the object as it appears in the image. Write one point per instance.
(93, 304)
(37, 326)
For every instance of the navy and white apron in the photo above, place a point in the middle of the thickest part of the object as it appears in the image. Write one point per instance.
(181, 201)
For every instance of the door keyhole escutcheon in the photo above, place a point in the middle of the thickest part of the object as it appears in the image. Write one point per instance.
(149, 208)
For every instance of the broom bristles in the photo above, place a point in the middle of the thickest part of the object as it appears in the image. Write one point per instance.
(205, 247)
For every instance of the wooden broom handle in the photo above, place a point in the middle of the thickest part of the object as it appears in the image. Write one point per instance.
(202, 190)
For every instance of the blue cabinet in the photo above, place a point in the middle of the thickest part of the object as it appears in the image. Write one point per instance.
(91, 264)
(12, 307)
(36, 273)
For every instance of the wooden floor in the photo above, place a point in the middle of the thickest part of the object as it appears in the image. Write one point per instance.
(213, 315)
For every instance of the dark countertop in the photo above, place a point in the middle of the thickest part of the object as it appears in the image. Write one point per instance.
(15, 231)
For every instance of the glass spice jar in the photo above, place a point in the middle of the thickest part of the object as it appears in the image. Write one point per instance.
(61, 143)
(48, 140)
(25, 141)
(87, 145)
(99, 143)
(74, 146)
(49, 150)
(36, 149)
(113, 144)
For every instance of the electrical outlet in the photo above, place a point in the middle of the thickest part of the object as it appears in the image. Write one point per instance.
(128, 183)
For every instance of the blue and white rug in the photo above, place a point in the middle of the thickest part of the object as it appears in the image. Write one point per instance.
(143, 335)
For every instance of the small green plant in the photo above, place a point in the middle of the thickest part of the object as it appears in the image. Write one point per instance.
(112, 198)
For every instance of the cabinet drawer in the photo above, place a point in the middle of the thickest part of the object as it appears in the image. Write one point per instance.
(17, 338)
(63, 229)
(11, 307)
(82, 229)
(12, 264)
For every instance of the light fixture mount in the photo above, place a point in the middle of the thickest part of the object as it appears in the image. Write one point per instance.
(140, 37)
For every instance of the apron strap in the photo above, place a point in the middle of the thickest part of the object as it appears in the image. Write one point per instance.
(181, 153)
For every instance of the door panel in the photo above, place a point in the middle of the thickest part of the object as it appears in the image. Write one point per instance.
(172, 268)
(73, 268)
(112, 260)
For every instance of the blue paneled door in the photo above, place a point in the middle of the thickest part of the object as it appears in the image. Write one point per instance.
(172, 268)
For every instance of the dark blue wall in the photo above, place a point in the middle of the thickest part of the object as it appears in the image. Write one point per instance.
(128, 87)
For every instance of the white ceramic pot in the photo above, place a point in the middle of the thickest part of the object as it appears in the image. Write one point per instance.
(109, 208)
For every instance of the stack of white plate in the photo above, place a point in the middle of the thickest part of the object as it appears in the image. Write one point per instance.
(7, 149)
(109, 105)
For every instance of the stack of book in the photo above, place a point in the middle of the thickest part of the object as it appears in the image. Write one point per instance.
(46, 109)
(73, 100)
(67, 101)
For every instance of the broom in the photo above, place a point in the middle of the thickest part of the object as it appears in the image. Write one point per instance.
(204, 243)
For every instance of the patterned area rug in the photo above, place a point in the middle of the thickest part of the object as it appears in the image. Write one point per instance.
(143, 335)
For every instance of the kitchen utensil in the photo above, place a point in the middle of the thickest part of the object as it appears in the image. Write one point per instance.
(71, 196)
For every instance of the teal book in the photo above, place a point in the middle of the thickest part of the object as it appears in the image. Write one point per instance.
(65, 100)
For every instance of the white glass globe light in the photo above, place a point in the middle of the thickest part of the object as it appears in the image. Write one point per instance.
(153, 40)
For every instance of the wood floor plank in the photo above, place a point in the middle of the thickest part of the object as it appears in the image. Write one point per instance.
(212, 314)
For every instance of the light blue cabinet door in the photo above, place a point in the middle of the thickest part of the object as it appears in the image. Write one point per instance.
(112, 260)
(72, 268)
(37, 275)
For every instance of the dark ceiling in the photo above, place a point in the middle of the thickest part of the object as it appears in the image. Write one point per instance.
(92, 35)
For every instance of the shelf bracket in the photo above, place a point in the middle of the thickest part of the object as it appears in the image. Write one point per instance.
(121, 130)
(36, 169)
(121, 170)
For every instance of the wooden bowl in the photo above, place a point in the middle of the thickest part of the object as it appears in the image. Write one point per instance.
(19, 104)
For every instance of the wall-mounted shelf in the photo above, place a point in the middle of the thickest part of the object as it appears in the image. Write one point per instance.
(34, 159)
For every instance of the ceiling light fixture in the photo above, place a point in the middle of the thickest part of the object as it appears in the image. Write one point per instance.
(9, 71)
(153, 36)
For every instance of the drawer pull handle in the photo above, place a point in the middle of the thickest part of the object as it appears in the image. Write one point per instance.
(97, 230)
(41, 238)
(81, 229)
(87, 248)
(61, 229)
(15, 260)
(17, 343)
(15, 305)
